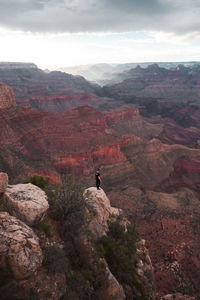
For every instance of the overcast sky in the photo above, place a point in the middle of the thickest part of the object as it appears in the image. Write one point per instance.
(70, 32)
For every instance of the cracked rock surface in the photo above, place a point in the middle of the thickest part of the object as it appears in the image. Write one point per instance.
(19, 247)
(27, 202)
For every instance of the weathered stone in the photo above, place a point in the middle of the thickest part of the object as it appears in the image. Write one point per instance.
(7, 97)
(99, 210)
(113, 289)
(3, 182)
(19, 246)
(27, 202)
(98, 213)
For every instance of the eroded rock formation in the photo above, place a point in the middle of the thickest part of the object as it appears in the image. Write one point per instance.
(7, 97)
(27, 202)
(99, 213)
(19, 248)
(54, 91)
(98, 202)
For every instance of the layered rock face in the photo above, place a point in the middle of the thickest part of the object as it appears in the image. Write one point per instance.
(82, 139)
(179, 84)
(19, 247)
(54, 91)
(26, 202)
(7, 97)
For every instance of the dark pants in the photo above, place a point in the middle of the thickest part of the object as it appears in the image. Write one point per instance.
(98, 184)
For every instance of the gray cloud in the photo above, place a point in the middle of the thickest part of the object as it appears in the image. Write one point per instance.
(178, 16)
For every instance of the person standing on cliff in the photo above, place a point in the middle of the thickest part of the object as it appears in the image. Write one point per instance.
(98, 179)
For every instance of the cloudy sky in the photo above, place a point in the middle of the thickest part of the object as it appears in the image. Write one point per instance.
(58, 33)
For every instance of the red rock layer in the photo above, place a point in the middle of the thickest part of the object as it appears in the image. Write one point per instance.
(81, 139)
(186, 173)
(75, 141)
(54, 91)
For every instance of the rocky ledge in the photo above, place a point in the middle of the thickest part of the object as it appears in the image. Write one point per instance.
(98, 215)
(19, 247)
(20, 252)
(26, 202)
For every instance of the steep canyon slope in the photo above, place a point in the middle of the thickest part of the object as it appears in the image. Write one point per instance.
(149, 164)
(49, 91)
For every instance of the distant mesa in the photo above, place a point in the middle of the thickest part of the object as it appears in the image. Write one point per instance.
(17, 65)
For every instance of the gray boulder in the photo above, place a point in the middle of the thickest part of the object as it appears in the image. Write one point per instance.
(27, 202)
(19, 247)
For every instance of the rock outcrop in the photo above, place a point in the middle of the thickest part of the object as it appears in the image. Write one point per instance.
(19, 247)
(98, 214)
(112, 288)
(7, 97)
(3, 182)
(27, 202)
(145, 268)
(98, 203)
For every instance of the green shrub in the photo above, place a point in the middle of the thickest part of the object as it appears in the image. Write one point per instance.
(55, 260)
(38, 180)
(88, 275)
(82, 278)
(67, 204)
(45, 228)
(119, 249)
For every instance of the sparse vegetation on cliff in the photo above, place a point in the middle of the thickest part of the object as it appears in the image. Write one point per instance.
(119, 250)
(66, 203)
(38, 180)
